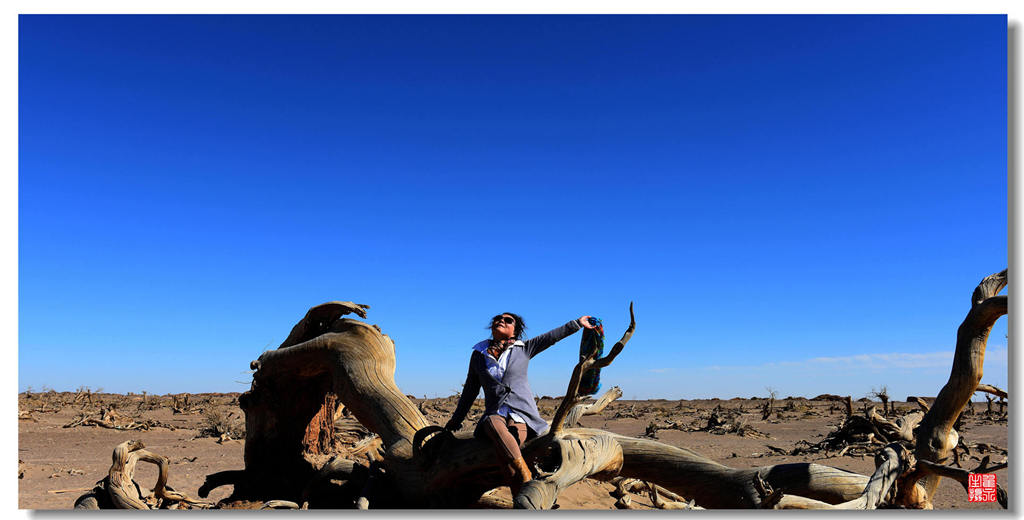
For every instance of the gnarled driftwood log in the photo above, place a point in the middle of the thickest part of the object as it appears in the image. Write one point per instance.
(329, 360)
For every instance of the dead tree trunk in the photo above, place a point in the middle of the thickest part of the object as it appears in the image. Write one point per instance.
(936, 437)
(426, 467)
(290, 407)
(327, 357)
(766, 410)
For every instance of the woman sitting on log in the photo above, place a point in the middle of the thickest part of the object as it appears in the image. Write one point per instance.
(499, 365)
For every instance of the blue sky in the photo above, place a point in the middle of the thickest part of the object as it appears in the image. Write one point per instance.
(796, 202)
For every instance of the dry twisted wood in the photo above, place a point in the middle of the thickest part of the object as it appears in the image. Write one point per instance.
(996, 391)
(589, 363)
(579, 457)
(891, 463)
(578, 411)
(122, 491)
(936, 437)
(359, 363)
(356, 362)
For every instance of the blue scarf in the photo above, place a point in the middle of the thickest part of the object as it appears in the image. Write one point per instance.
(593, 339)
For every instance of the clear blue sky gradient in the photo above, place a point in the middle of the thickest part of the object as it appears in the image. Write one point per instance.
(796, 202)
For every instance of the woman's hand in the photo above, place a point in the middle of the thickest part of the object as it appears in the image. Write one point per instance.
(585, 321)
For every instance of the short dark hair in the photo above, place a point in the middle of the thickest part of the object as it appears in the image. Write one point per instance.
(520, 324)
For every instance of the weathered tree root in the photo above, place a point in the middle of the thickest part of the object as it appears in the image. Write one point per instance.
(119, 491)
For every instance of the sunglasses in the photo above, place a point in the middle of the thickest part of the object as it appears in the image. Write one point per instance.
(504, 319)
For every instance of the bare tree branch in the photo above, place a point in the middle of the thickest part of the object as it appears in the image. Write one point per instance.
(580, 410)
(989, 389)
(571, 398)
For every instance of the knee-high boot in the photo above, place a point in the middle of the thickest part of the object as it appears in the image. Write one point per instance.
(520, 475)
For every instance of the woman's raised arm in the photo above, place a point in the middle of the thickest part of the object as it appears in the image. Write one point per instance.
(540, 343)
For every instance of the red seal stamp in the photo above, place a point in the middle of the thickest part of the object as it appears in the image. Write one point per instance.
(981, 487)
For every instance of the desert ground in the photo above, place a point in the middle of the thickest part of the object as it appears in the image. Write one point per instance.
(65, 439)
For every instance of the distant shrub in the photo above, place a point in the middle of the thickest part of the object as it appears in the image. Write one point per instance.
(216, 424)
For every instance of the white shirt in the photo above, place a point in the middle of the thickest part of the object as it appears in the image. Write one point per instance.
(497, 367)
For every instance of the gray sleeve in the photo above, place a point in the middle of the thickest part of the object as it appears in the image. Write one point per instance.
(540, 343)
(470, 390)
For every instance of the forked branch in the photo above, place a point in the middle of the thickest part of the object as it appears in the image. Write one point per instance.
(578, 411)
(571, 398)
(936, 437)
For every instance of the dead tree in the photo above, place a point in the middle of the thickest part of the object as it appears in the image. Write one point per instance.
(883, 395)
(766, 410)
(327, 359)
(180, 404)
(84, 396)
(936, 438)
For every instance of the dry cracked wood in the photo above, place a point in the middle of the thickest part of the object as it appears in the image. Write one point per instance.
(120, 491)
(445, 470)
(424, 466)
(900, 429)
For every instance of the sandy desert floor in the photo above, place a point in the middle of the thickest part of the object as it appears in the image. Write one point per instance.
(57, 464)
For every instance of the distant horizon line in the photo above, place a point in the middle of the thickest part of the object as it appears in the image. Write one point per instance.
(818, 397)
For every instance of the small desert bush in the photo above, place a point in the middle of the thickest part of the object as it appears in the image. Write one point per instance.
(217, 423)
